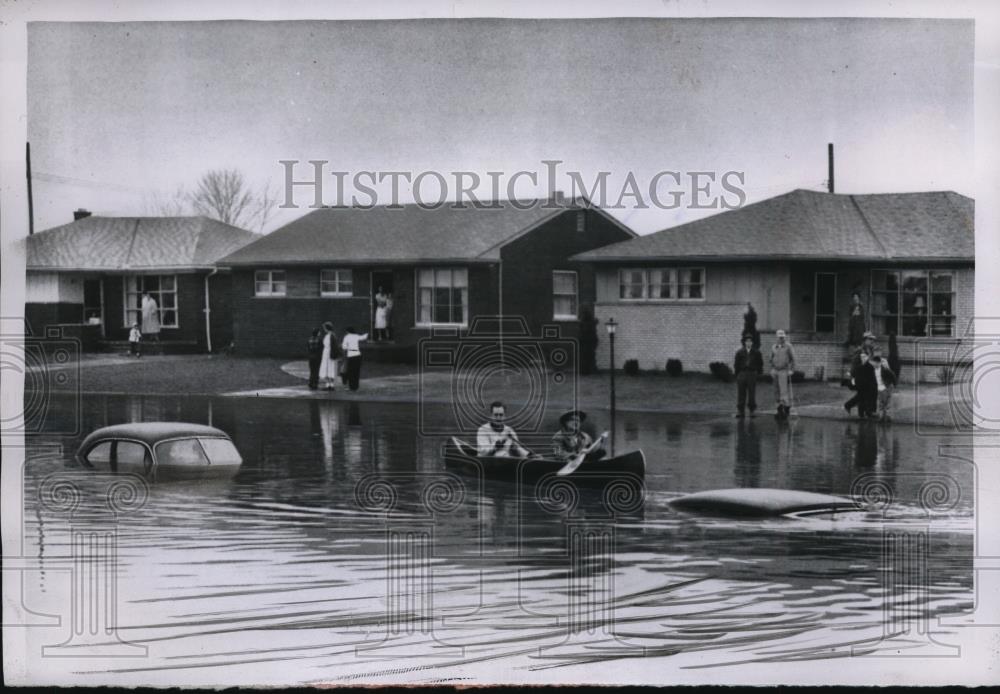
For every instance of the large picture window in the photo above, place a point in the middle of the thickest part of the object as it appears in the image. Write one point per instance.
(269, 283)
(662, 284)
(163, 290)
(442, 296)
(914, 303)
(336, 283)
(564, 295)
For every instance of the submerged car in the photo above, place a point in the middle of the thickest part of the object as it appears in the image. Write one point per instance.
(161, 450)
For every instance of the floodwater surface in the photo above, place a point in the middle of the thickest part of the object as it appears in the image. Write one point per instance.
(343, 551)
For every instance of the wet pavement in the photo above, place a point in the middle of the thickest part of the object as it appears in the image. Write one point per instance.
(343, 551)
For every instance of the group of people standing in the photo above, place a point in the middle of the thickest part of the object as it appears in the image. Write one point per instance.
(330, 358)
(748, 365)
(870, 376)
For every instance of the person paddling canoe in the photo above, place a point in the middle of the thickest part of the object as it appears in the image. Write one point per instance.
(496, 438)
(570, 441)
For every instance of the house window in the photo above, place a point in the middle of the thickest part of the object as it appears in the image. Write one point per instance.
(269, 283)
(662, 284)
(581, 221)
(336, 283)
(442, 296)
(564, 295)
(913, 303)
(163, 290)
(825, 317)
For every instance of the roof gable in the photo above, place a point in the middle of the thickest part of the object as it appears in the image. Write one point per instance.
(401, 234)
(134, 243)
(805, 224)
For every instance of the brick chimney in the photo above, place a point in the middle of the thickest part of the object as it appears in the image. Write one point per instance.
(80, 214)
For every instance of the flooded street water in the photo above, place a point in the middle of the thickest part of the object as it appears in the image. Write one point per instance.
(343, 551)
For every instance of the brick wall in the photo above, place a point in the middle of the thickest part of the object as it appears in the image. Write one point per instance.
(697, 334)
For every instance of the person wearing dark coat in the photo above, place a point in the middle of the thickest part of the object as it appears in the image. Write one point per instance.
(750, 325)
(314, 351)
(867, 385)
(856, 321)
(867, 349)
(747, 365)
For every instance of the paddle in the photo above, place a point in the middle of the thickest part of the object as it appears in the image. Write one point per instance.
(578, 460)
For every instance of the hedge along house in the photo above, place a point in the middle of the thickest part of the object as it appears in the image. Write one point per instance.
(798, 258)
(443, 267)
(89, 277)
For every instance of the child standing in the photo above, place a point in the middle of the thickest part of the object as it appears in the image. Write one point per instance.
(885, 380)
(135, 341)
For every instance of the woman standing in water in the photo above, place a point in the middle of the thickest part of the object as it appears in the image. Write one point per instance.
(329, 361)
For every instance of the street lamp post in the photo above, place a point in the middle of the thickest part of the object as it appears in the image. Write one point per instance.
(612, 327)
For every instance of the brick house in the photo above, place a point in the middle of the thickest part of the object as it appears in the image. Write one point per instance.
(88, 277)
(443, 267)
(798, 258)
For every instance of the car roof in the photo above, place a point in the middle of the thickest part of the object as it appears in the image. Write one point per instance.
(151, 432)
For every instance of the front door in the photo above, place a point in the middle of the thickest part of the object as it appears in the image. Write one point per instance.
(826, 302)
(381, 289)
(93, 302)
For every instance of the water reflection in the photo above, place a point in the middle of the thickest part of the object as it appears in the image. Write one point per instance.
(343, 533)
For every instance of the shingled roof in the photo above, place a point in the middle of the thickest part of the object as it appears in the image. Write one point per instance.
(809, 225)
(400, 234)
(134, 244)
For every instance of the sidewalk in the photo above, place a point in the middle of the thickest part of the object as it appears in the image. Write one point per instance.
(691, 393)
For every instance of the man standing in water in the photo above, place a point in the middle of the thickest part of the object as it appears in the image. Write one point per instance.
(496, 438)
(782, 366)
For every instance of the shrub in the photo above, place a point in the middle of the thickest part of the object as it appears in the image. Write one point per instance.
(945, 375)
(798, 377)
(631, 367)
(721, 371)
(674, 367)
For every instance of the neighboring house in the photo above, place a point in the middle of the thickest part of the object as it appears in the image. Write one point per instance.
(95, 270)
(798, 257)
(443, 267)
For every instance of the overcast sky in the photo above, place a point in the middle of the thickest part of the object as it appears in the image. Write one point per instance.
(121, 113)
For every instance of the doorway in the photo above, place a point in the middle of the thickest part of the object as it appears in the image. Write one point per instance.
(382, 300)
(93, 303)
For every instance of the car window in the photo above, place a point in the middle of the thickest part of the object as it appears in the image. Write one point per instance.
(100, 455)
(180, 452)
(131, 453)
(221, 451)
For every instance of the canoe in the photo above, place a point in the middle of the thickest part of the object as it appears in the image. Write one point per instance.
(757, 502)
(461, 457)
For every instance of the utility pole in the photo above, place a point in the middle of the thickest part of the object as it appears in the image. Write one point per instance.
(31, 203)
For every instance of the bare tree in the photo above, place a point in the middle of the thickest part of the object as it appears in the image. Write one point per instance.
(159, 204)
(224, 194)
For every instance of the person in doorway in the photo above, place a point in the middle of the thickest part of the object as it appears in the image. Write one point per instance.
(496, 439)
(855, 321)
(314, 352)
(383, 301)
(329, 358)
(570, 441)
(135, 341)
(782, 365)
(352, 353)
(747, 365)
(750, 325)
(150, 318)
(885, 382)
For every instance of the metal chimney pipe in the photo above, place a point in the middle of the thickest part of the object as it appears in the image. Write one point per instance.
(829, 157)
